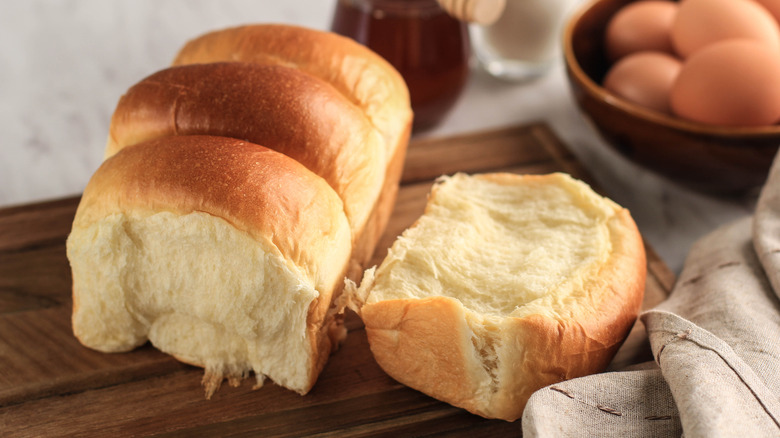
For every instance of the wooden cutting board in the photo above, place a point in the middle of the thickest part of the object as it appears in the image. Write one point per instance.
(52, 386)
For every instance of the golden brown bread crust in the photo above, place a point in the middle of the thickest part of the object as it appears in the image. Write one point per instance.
(427, 344)
(364, 77)
(423, 344)
(278, 107)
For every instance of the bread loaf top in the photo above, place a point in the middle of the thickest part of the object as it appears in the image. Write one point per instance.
(364, 77)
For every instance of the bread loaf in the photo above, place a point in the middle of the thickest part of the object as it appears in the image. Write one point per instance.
(221, 252)
(234, 199)
(506, 284)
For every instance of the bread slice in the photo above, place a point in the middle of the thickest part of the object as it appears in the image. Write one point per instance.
(221, 252)
(506, 284)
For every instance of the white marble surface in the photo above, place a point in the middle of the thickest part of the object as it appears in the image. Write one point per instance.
(64, 64)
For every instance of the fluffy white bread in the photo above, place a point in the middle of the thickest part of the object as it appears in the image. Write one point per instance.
(221, 252)
(506, 284)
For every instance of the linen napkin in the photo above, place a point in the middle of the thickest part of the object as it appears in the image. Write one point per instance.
(716, 344)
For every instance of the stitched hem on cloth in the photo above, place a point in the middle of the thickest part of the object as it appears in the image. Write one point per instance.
(682, 330)
(607, 409)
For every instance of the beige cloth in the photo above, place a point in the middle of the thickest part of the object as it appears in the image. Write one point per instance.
(716, 343)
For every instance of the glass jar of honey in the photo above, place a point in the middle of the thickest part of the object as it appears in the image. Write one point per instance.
(426, 45)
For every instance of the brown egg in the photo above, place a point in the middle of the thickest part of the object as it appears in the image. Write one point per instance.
(733, 83)
(644, 78)
(640, 26)
(703, 22)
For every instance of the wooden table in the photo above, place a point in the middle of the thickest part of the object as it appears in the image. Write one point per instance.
(50, 385)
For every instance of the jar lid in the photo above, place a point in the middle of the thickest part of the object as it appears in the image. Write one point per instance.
(484, 12)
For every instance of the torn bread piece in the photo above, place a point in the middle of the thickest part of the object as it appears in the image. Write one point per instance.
(506, 284)
(222, 253)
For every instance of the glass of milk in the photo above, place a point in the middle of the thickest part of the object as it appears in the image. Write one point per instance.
(525, 42)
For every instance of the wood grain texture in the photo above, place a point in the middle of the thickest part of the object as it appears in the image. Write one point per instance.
(52, 386)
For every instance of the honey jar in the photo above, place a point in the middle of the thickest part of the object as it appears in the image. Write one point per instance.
(426, 45)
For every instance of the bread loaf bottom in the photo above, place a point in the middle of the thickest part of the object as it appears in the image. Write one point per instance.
(506, 284)
(223, 253)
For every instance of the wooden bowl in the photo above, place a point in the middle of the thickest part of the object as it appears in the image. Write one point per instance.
(723, 160)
